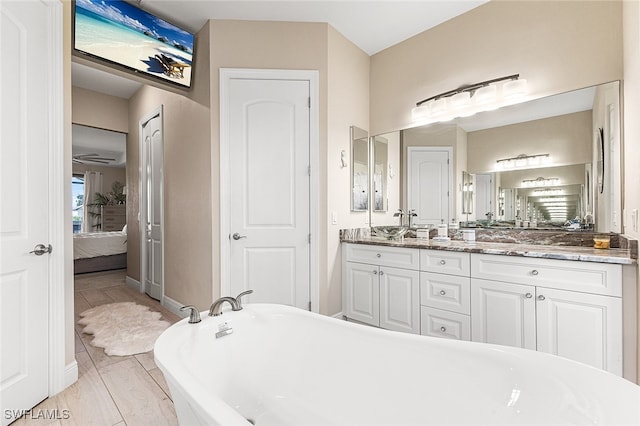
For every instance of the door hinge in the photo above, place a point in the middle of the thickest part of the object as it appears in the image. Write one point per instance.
(309, 170)
(309, 305)
(309, 102)
(309, 238)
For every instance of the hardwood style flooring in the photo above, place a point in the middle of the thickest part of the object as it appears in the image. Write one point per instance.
(111, 390)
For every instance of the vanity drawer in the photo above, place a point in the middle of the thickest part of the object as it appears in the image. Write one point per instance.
(587, 277)
(439, 323)
(445, 262)
(448, 292)
(395, 257)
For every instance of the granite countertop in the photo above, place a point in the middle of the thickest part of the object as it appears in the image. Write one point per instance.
(585, 254)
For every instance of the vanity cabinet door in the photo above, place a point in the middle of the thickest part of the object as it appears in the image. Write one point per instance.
(582, 327)
(503, 314)
(399, 299)
(362, 293)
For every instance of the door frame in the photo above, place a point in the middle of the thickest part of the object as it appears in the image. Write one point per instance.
(142, 200)
(226, 75)
(449, 150)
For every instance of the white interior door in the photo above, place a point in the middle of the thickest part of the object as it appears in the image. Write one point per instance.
(429, 184)
(484, 197)
(152, 208)
(26, 131)
(269, 175)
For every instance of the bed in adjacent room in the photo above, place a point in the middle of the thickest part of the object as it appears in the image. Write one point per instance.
(99, 251)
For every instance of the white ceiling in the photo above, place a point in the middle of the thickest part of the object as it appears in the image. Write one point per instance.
(109, 146)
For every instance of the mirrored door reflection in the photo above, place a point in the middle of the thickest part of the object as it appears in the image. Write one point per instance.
(359, 170)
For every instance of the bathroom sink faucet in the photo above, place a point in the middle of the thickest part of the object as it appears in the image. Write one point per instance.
(411, 215)
(399, 213)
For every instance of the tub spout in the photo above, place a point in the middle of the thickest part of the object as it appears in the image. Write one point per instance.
(215, 309)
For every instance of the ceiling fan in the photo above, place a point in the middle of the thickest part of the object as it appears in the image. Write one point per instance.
(91, 158)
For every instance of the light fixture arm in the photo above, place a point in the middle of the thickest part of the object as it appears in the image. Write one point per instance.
(468, 88)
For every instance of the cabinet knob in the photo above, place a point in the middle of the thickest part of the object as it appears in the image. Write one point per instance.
(442, 292)
(381, 273)
(534, 272)
(375, 272)
(541, 297)
(443, 262)
(528, 295)
(378, 255)
(443, 329)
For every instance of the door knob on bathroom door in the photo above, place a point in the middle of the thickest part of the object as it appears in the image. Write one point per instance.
(237, 236)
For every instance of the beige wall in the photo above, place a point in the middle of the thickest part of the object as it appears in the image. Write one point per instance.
(347, 104)
(557, 46)
(99, 110)
(276, 45)
(631, 87)
(187, 184)
(568, 138)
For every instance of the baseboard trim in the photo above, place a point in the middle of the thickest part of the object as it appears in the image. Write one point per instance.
(174, 306)
(70, 373)
(134, 284)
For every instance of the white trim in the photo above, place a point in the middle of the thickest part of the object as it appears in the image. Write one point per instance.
(134, 284)
(70, 373)
(158, 112)
(59, 378)
(449, 150)
(339, 316)
(312, 76)
(174, 306)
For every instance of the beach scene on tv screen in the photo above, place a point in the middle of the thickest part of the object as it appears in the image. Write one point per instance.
(121, 33)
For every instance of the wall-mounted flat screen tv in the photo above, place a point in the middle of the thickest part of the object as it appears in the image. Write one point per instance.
(122, 34)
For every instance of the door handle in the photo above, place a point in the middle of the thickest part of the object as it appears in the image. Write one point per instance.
(237, 236)
(41, 249)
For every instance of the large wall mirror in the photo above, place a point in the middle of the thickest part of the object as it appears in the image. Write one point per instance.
(359, 170)
(537, 161)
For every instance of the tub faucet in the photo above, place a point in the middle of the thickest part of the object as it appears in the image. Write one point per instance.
(238, 306)
(216, 307)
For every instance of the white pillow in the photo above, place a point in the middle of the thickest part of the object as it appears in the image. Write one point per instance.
(124, 229)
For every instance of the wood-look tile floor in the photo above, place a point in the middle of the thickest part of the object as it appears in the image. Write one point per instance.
(111, 390)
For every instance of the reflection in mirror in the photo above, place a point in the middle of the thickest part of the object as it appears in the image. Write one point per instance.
(467, 193)
(567, 128)
(380, 167)
(359, 170)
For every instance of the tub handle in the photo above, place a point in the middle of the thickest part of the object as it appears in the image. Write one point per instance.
(194, 314)
(238, 304)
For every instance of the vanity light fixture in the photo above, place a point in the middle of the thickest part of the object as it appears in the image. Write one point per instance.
(470, 99)
(530, 183)
(551, 191)
(524, 161)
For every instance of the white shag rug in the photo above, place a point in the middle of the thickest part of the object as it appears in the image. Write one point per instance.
(124, 328)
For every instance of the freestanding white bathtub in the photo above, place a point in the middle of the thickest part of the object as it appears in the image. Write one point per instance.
(285, 366)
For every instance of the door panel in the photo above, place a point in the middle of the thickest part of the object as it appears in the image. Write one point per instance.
(504, 314)
(153, 197)
(269, 194)
(400, 300)
(26, 134)
(428, 186)
(362, 295)
(583, 327)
